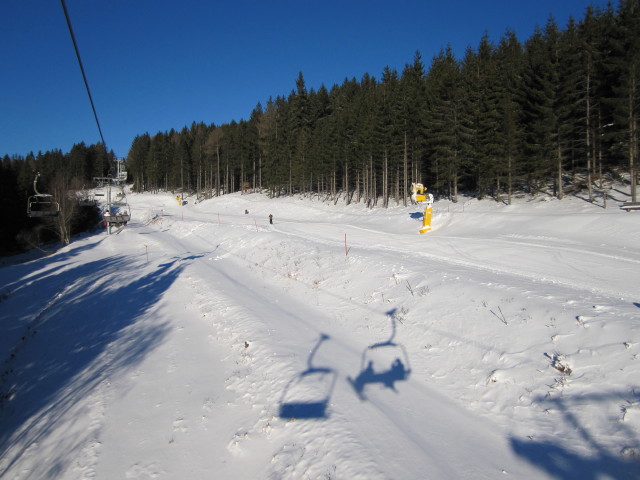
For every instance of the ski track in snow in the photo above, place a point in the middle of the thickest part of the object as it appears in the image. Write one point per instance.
(594, 259)
(248, 379)
(279, 316)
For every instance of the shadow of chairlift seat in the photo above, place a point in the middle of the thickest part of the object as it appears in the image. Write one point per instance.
(308, 394)
(384, 363)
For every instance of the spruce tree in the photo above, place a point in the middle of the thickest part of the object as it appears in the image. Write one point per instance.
(509, 59)
(447, 137)
(626, 89)
(540, 88)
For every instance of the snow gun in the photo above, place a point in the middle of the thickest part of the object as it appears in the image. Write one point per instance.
(421, 198)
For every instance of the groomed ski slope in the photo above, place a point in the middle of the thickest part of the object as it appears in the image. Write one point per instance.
(201, 342)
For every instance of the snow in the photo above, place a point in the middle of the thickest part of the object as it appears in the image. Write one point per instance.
(202, 342)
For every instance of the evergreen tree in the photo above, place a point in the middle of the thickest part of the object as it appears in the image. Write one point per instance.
(483, 155)
(509, 59)
(390, 134)
(412, 86)
(540, 108)
(626, 90)
(447, 136)
(14, 203)
(136, 159)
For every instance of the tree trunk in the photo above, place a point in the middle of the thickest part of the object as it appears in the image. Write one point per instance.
(633, 142)
(560, 191)
(588, 132)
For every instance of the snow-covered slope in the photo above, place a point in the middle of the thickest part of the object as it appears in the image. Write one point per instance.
(202, 342)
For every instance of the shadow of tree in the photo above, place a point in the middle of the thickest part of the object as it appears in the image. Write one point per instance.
(85, 323)
(561, 463)
(385, 363)
(308, 394)
(15, 275)
(27, 259)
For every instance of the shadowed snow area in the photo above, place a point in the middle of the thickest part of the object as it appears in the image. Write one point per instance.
(202, 342)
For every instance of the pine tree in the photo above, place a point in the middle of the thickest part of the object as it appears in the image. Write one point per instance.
(626, 90)
(509, 58)
(540, 109)
(136, 160)
(446, 134)
(480, 77)
(412, 84)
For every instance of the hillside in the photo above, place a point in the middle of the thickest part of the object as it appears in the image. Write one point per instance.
(201, 342)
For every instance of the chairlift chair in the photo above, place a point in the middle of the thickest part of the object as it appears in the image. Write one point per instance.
(117, 212)
(117, 215)
(41, 204)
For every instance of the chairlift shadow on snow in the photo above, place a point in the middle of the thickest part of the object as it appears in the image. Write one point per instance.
(562, 463)
(385, 363)
(308, 394)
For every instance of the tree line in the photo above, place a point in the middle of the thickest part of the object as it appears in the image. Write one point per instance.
(555, 112)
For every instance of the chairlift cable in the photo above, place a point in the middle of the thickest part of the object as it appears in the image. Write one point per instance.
(86, 83)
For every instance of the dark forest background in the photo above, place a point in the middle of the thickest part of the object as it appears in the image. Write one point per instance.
(558, 113)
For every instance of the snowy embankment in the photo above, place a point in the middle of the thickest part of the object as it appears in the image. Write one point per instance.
(201, 342)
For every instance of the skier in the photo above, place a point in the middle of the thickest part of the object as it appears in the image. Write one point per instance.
(271, 219)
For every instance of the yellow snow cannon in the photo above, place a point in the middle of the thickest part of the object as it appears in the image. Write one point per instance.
(420, 196)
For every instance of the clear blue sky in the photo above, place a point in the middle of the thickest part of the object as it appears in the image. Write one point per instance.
(153, 65)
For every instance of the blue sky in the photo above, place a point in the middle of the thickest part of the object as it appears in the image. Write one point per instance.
(153, 65)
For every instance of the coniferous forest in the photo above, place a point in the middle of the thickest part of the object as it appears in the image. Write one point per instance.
(557, 113)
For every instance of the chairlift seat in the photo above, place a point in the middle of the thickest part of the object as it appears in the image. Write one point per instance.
(43, 213)
(117, 219)
(42, 205)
